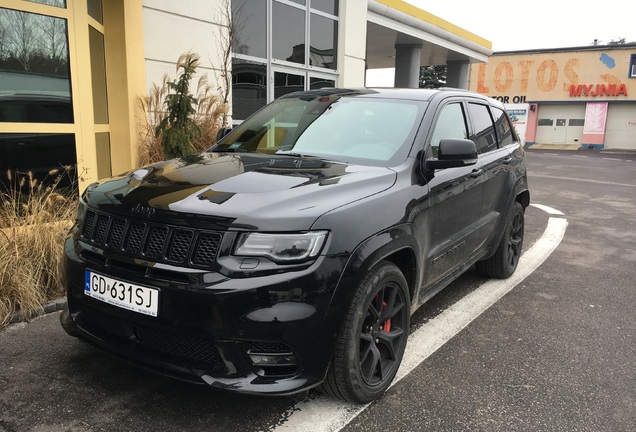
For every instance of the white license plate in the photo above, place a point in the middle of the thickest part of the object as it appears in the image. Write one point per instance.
(125, 295)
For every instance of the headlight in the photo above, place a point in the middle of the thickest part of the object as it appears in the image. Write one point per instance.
(281, 247)
(83, 200)
(81, 210)
(87, 192)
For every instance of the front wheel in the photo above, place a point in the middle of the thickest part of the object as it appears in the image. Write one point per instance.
(504, 262)
(373, 337)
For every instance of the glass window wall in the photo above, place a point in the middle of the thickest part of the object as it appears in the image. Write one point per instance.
(327, 6)
(324, 42)
(288, 33)
(249, 87)
(56, 3)
(98, 76)
(301, 39)
(95, 10)
(40, 156)
(34, 68)
(250, 26)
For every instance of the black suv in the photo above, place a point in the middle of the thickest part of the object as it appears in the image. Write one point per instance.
(292, 253)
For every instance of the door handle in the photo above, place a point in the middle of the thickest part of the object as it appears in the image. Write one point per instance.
(507, 160)
(476, 173)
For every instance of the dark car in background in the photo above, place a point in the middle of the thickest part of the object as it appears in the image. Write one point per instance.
(293, 252)
(39, 156)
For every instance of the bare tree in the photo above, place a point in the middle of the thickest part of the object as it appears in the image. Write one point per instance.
(620, 41)
(3, 40)
(54, 38)
(230, 17)
(21, 36)
(614, 41)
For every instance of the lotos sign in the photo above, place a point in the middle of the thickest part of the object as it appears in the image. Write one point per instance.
(598, 90)
(554, 75)
(511, 99)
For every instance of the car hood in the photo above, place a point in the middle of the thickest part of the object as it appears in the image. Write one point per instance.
(239, 190)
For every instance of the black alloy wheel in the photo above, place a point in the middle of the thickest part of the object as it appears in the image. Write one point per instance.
(515, 240)
(506, 258)
(372, 341)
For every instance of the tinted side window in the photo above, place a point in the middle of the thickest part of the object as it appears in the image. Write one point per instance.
(451, 123)
(504, 130)
(485, 137)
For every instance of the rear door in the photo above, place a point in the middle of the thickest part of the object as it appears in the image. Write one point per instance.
(494, 161)
(495, 147)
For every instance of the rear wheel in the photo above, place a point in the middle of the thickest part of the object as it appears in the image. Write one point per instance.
(504, 262)
(373, 337)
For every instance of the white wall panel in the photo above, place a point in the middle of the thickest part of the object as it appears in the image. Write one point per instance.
(620, 132)
(172, 28)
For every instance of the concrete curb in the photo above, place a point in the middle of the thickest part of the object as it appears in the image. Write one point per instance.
(50, 307)
(578, 149)
(554, 147)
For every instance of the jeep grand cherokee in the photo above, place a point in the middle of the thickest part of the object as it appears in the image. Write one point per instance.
(292, 253)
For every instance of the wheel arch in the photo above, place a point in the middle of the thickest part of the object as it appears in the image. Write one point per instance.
(520, 191)
(396, 245)
(523, 198)
(405, 260)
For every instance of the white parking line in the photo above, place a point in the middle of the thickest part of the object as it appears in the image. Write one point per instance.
(615, 159)
(548, 210)
(330, 415)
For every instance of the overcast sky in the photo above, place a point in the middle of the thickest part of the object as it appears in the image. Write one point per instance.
(511, 25)
(534, 24)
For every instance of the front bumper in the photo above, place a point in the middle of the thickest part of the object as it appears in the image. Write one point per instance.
(211, 329)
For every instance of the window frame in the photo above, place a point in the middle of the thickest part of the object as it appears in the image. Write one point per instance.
(473, 132)
(432, 150)
(511, 128)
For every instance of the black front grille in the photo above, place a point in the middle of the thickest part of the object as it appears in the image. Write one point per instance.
(134, 237)
(151, 241)
(180, 345)
(269, 348)
(99, 233)
(207, 246)
(89, 223)
(116, 235)
(190, 351)
(156, 240)
(179, 246)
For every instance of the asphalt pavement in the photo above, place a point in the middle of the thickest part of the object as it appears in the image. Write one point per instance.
(556, 353)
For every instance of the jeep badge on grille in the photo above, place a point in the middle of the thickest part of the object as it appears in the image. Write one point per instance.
(143, 210)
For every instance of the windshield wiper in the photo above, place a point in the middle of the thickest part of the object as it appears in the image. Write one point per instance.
(293, 154)
(233, 150)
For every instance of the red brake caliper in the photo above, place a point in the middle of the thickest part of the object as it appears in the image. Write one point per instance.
(387, 324)
(386, 327)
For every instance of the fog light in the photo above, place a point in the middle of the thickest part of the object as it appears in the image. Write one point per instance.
(273, 359)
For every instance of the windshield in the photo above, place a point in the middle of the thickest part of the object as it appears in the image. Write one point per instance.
(362, 130)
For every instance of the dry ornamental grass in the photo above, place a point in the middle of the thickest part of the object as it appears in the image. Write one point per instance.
(34, 220)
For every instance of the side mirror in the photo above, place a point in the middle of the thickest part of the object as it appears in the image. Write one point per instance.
(453, 153)
(222, 132)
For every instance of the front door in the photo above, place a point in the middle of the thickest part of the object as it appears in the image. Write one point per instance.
(455, 199)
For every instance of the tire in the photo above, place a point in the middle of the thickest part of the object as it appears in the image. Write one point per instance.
(373, 337)
(504, 262)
